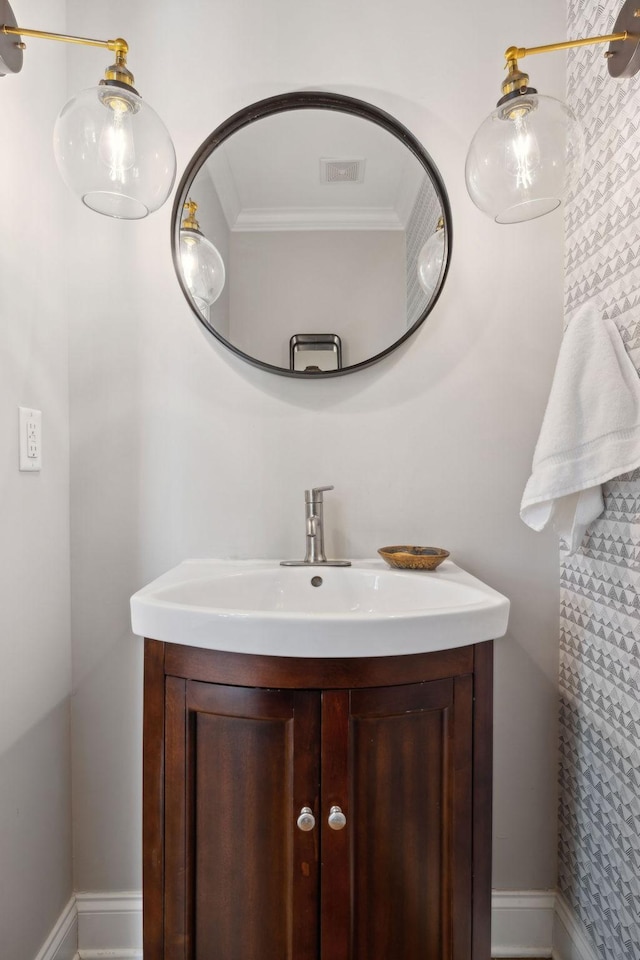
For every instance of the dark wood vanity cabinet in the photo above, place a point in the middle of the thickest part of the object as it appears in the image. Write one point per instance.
(236, 746)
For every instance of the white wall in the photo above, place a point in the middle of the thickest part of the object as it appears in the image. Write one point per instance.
(35, 647)
(181, 450)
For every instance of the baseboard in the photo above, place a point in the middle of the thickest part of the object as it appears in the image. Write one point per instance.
(570, 939)
(522, 923)
(109, 922)
(62, 942)
(110, 925)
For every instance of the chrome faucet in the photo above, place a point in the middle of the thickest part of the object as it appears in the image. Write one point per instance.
(314, 528)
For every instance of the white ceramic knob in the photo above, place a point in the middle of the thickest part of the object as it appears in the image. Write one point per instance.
(306, 821)
(337, 819)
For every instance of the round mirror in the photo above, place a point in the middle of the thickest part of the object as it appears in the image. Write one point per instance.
(311, 234)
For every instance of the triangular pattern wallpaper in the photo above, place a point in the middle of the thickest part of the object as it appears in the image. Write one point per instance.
(599, 849)
(422, 223)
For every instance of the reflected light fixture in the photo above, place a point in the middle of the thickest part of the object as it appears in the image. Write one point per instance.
(431, 258)
(202, 265)
(527, 154)
(111, 148)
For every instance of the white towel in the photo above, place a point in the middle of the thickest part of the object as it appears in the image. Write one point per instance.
(590, 432)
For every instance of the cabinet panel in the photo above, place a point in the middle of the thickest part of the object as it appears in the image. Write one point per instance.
(398, 878)
(241, 878)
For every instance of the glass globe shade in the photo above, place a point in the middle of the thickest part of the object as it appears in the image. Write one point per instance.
(202, 268)
(524, 158)
(430, 260)
(114, 152)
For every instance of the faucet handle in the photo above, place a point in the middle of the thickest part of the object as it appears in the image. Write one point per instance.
(315, 494)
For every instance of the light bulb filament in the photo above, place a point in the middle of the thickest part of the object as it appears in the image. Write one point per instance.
(117, 149)
(523, 150)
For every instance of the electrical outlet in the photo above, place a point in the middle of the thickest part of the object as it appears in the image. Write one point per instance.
(30, 439)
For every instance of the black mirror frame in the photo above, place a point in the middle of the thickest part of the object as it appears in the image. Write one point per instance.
(305, 100)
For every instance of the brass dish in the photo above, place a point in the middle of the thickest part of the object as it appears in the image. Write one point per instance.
(413, 558)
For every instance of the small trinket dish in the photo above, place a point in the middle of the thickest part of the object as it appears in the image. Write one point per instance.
(413, 558)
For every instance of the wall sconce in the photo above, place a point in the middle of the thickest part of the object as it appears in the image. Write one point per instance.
(111, 148)
(202, 265)
(431, 258)
(528, 152)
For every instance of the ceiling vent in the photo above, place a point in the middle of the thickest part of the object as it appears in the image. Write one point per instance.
(342, 171)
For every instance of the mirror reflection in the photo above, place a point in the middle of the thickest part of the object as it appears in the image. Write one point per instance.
(309, 220)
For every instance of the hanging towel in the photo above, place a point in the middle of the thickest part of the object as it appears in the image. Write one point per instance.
(590, 432)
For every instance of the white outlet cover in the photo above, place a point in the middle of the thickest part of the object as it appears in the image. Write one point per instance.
(30, 425)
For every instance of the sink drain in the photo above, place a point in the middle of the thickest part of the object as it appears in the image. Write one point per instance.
(316, 581)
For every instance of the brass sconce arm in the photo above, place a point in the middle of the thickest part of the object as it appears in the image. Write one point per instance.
(117, 71)
(518, 82)
(118, 46)
(623, 54)
(516, 53)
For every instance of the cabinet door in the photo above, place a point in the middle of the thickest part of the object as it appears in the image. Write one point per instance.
(396, 881)
(240, 877)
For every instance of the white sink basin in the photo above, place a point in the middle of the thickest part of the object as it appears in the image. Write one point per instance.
(257, 606)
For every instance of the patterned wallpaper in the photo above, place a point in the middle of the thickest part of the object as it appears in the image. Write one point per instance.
(422, 223)
(599, 847)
